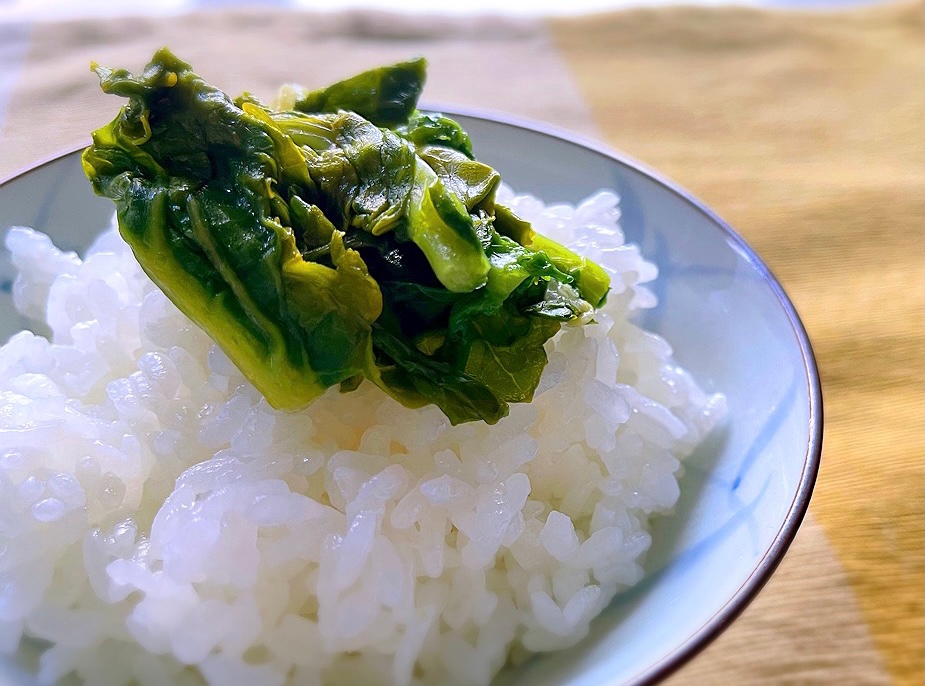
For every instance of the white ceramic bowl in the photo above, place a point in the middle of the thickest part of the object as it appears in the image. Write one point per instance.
(744, 492)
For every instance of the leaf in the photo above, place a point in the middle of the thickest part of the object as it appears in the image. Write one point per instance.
(440, 226)
(197, 200)
(432, 128)
(509, 224)
(371, 179)
(473, 182)
(365, 178)
(590, 279)
(312, 229)
(321, 246)
(513, 371)
(386, 96)
(414, 379)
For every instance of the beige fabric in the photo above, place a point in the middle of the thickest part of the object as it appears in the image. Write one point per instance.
(487, 63)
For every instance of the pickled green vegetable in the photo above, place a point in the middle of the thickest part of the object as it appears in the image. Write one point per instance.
(348, 237)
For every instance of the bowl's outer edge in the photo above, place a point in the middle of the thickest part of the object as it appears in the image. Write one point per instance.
(798, 508)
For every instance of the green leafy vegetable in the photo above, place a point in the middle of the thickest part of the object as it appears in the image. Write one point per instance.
(386, 96)
(342, 237)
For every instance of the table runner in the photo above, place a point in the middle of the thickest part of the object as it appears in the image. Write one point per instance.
(804, 130)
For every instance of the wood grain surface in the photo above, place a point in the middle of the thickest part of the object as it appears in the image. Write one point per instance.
(805, 131)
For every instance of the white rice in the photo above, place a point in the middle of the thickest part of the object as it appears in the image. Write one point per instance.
(160, 523)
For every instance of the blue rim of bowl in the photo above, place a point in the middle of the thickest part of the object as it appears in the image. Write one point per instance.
(713, 627)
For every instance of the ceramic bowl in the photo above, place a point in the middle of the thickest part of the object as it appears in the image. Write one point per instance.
(743, 493)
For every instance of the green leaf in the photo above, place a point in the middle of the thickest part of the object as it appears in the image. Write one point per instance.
(591, 280)
(386, 96)
(439, 224)
(509, 224)
(513, 371)
(473, 182)
(195, 180)
(365, 178)
(312, 229)
(415, 379)
(432, 128)
(321, 247)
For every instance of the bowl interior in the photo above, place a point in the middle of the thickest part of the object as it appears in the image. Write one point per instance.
(744, 491)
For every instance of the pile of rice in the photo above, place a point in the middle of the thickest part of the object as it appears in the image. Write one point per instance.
(161, 524)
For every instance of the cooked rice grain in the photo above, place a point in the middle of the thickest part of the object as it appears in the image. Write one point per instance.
(156, 513)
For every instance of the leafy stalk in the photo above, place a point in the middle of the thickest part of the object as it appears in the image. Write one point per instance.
(347, 236)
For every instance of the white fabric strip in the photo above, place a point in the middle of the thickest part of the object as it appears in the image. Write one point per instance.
(14, 41)
(57, 10)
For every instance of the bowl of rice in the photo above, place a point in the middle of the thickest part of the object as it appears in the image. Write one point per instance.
(160, 523)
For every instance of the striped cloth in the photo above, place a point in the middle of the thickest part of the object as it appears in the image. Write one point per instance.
(804, 130)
